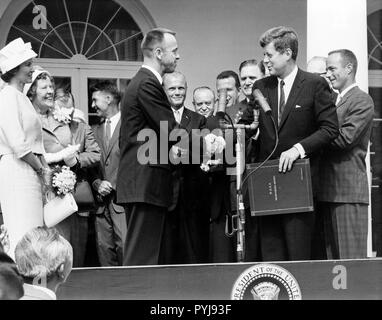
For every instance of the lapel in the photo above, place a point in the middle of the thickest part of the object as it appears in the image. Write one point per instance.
(296, 88)
(186, 118)
(113, 139)
(273, 98)
(346, 97)
(100, 137)
(73, 129)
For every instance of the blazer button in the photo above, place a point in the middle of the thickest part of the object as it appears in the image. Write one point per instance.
(107, 163)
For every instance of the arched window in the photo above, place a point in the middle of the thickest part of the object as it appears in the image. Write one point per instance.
(375, 40)
(81, 42)
(94, 29)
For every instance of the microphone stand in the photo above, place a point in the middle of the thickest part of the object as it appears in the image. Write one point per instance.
(239, 217)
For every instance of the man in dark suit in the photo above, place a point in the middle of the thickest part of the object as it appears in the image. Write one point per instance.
(306, 122)
(144, 187)
(344, 189)
(110, 223)
(188, 217)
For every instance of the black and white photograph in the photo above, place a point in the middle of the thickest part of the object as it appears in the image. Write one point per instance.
(202, 151)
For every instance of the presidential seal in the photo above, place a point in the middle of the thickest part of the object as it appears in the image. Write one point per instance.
(266, 282)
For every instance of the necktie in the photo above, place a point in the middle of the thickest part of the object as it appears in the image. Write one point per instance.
(338, 100)
(282, 100)
(177, 116)
(107, 133)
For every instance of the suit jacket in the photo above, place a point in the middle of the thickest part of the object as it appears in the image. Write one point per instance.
(107, 168)
(343, 176)
(145, 106)
(186, 177)
(309, 118)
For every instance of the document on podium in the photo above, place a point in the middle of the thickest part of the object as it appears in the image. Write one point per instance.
(272, 192)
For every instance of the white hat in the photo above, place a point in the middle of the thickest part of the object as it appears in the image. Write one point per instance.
(35, 74)
(15, 53)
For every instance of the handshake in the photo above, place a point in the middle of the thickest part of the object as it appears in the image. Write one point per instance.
(214, 144)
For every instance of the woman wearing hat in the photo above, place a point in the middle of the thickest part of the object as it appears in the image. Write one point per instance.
(23, 171)
(66, 142)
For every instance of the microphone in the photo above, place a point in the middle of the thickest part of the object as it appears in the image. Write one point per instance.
(260, 99)
(222, 102)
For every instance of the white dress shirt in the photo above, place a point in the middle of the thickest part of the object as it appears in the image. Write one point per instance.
(113, 122)
(342, 94)
(178, 114)
(289, 80)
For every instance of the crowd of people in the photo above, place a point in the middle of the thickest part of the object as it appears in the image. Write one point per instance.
(166, 207)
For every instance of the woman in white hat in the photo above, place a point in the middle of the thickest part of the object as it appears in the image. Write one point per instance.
(66, 142)
(24, 172)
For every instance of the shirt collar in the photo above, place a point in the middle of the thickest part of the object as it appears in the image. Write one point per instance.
(47, 291)
(156, 73)
(342, 94)
(289, 79)
(181, 109)
(115, 118)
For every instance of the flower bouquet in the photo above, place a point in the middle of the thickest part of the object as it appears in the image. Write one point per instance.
(60, 201)
(62, 115)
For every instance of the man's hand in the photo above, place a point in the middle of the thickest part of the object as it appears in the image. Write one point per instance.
(287, 159)
(104, 188)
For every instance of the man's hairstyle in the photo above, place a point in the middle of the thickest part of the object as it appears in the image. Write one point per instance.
(229, 74)
(249, 62)
(174, 74)
(203, 88)
(283, 38)
(253, 62)
(40, 252)
(152, 38)
(347, 57)
(31, 94)
(109, 87)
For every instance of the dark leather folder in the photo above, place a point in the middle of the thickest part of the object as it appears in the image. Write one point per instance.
(271, 192)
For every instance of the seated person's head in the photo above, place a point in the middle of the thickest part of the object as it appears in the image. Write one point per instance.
(44, 257)
(11, 282)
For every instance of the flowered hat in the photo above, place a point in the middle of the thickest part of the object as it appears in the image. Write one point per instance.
(15, 53)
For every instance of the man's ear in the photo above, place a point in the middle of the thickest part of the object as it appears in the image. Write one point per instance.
(158, 53)
(288, 52)
(349, 68)
(61, 271)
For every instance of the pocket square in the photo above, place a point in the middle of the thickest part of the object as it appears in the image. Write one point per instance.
(297, 106)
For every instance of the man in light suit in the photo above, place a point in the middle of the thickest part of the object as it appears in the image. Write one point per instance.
(344, 191)
(145, 188)
(306, 121)
(188, 213)
(110, 223)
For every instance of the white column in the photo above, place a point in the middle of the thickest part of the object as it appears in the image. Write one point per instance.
(340, 24)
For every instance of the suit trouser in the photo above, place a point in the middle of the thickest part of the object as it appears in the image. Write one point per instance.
(75, 229)
(286, 236)
(145, 234)
(345, 229)
(110, 229)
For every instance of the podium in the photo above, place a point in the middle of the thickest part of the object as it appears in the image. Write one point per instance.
(317, 280)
